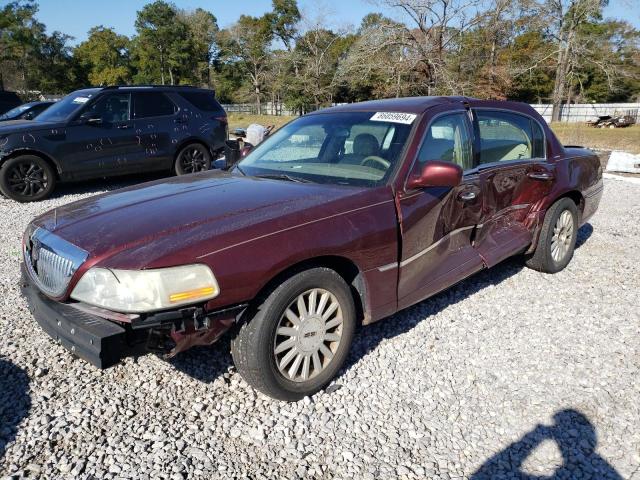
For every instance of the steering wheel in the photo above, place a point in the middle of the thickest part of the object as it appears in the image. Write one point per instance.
(376, 162)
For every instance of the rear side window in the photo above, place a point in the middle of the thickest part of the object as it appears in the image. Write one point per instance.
(448, 139)
(205, 101)
(152, 104)
(508, 136)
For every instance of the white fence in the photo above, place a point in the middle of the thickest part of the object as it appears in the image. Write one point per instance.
(581, 112)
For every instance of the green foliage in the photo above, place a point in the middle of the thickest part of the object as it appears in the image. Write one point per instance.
(105, 57)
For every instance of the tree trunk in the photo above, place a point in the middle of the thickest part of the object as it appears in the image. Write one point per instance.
(562, 69)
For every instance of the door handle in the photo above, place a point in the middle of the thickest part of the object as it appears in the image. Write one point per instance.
(123, 127)
(467, 196)
(540, 175)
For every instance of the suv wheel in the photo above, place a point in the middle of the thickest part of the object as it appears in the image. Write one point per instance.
(192, 159)
(26, 178)
(557, 238)
(299, 336)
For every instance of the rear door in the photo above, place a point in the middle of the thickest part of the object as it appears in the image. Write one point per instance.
(511, 154)
(438, 223)
(154, 116)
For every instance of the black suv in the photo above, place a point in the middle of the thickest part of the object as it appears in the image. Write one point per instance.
(100, 132)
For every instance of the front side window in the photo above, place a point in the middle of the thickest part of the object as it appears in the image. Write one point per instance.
(448, 139)
(112, 108)
(348, 148)
(508, 136)
(67, 107)
(152, 104)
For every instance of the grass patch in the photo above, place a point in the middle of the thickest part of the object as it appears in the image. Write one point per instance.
(627, 139)
(243, 120)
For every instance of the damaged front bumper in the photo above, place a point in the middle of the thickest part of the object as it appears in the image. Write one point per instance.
(103, 342)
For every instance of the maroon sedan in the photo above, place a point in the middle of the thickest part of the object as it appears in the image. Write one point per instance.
(342, 217)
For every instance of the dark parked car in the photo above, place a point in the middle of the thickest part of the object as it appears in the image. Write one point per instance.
(100, 132)
(8, 100)
(341, 217)
(26, 111)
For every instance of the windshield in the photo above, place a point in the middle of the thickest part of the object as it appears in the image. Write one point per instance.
(14, 112)
(350, 148)
(66, 107)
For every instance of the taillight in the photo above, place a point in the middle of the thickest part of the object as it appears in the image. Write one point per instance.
(221, 119)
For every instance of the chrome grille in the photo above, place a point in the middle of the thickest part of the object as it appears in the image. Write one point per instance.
(51, 261)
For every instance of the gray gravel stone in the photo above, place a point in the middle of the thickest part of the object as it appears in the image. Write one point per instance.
(508, 366)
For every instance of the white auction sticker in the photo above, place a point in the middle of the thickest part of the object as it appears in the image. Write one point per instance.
(81, 100)
(394, 117)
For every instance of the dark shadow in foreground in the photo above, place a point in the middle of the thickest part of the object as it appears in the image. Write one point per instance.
(576, 439)
(15, 401)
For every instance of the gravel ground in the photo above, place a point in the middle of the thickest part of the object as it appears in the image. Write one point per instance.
(510, 371)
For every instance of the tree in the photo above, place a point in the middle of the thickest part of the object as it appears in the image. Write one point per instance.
(162, 49)
(433, 28)
(284, 18)
(246, 44)
(202, 29)
(105, 55)
(382, 62)
(566, 17)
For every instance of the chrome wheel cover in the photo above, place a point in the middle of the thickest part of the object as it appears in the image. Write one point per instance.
(562, 236)
(308, 335)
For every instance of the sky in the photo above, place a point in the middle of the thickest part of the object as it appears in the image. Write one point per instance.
(76, 17)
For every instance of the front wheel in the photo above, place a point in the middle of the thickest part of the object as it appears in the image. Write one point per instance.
(299, 337)
(557, 238)
(192, 159)
(26, 178)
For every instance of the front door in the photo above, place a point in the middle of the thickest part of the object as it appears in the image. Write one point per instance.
(511, 150)
(102, 139)
(438, 224)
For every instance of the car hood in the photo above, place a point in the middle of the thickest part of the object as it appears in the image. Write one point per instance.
(175, 221)
(26, 126)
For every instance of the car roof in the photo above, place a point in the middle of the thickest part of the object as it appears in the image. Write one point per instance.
(419, 105)
(404, 105)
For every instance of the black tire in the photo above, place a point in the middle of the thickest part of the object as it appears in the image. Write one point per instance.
(192, 158)
(27, 178)
(542, 259)
(253, 346)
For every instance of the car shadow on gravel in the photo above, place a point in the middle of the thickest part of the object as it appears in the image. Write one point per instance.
(15, 401)
(210, 362)
(576, 439)
(104, 184)
(206, 363)
(369, 337)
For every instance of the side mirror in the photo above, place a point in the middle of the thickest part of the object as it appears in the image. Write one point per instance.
(437, 173)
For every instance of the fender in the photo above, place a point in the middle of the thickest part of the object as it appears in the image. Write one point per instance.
(8, 154)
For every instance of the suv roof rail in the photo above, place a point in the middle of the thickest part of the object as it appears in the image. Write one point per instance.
(111, 87)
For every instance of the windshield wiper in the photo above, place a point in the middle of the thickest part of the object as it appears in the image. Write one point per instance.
(283, 176)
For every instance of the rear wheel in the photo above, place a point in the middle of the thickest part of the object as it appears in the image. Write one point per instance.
(557, 238)
(299, 337)
(193, 158)
(27, 178)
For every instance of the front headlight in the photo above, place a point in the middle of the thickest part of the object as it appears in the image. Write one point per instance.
(137, 291)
